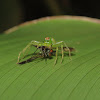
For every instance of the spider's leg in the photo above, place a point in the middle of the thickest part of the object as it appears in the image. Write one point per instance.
(45, 52)
(68, 50)
(32, 43)
(35, 51)
(56, 55)
(22, 52)
(26, 52)
(45, 55)
(42, 50)
(19, 57)
(62, 53)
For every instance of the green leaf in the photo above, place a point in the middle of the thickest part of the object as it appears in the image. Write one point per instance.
(76, 79)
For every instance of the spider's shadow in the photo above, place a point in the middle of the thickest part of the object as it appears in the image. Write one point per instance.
(33, 58)
(42, 58)
(66, 54)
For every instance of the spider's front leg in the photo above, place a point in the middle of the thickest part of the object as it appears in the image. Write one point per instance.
(32, 43)
(56, 55)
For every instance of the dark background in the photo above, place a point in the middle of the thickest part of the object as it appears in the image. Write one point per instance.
(14, 12)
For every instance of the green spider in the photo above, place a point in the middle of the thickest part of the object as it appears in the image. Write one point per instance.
(47, 48)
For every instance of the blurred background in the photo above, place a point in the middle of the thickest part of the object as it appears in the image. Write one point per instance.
(14, 12)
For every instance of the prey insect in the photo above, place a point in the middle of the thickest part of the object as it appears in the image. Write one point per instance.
(47, 48)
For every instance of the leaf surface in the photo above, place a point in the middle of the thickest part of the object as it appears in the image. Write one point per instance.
(76, 79)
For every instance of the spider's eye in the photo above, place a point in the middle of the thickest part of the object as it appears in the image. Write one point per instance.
(47, 38)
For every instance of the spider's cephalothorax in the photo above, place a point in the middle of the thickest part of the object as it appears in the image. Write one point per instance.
(48, 47)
